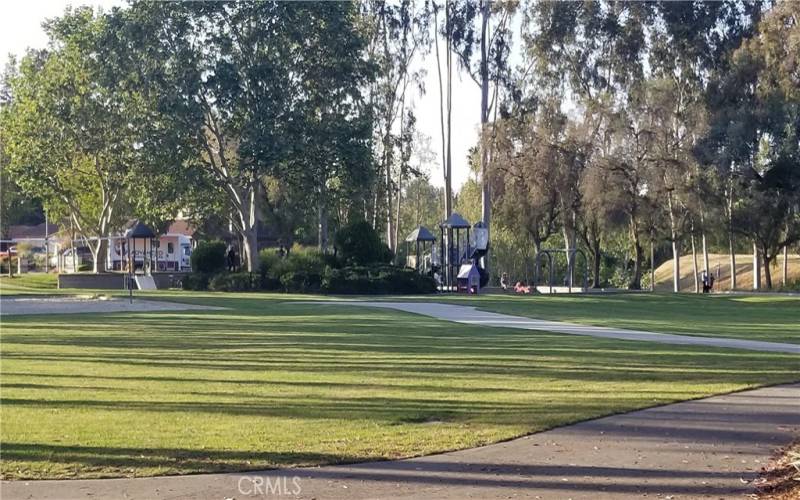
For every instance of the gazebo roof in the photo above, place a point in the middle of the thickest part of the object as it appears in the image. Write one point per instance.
(139, 230)
(421, 233)
(455, 221)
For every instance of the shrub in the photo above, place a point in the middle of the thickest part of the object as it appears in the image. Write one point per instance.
(300, 282)
(231, 282)
(300, 271)
(196, 281)
(376, 279)
(358, 244)
(209, 257)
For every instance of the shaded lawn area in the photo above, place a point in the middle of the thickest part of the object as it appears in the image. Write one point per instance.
(771, 318)
(269, 383)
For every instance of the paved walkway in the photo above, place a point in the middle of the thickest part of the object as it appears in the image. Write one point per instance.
(708, 448)
(470, 315)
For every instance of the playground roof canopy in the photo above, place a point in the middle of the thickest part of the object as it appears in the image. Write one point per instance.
(139, 230)
(468, 270)
(455, 221)
(421, 233)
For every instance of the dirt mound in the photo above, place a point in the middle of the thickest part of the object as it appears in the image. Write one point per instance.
(719, 264)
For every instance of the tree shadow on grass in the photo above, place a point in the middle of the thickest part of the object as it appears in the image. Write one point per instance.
(112, 460)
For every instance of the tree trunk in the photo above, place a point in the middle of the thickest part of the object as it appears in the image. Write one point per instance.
(71, 245)
(596, 256)
(731, 246)
(676, 265)
(694, 264)
(636, 279)
(756, 268)
(569, 245)
(397, 218)
(706, 264)
(444, 99)
(732, 250)
(767, 271)
(389, 205)
(785, 270)
(676, 244)
(486, 205)
(652, 264)
(99, 254)
(322, 224)
(249, 232)
(250, 248)
(449, 158)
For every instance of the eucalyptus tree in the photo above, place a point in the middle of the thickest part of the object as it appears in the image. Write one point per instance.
(687, 45)
(71, 135)
(767, 211)
(479, 33)
(523, 175)
(593, 54)
(238, 85)
(397, 34)
(445, 95)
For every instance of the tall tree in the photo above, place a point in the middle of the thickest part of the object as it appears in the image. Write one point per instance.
(71, 135)
(483, 27)
(398, 33)
(236, 84)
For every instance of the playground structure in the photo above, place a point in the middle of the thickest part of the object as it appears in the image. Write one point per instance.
(460, 244)
(569, 279)
(421, 261)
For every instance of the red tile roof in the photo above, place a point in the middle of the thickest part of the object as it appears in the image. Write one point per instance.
(181, 227)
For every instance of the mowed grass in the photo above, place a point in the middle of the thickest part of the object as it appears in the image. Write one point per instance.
(269, 383)
(29, 284)
(771, 318)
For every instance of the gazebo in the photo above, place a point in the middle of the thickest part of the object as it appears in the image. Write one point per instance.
(140, 231)
(451, 246)
(420, 236)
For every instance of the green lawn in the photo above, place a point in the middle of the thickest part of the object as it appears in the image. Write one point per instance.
(770, 318)
(273, 383)
(29, 283)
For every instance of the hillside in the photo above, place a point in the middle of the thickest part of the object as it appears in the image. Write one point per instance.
(720, 263)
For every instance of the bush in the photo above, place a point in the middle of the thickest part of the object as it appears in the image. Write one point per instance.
(358, 244)
(196, 281)
(300, 271)
(231, 282)
(376, 279)
(209, 257)
(300, 282)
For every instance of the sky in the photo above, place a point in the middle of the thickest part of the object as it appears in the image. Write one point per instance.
(20, 28)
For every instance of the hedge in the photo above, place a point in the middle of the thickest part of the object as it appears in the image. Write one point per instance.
(209, 257)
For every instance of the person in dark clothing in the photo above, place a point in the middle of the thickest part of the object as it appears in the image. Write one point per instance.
(232, 260)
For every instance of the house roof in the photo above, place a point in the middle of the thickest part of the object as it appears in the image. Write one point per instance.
(455, 221)
(421, 233)
(17, 232)
(181, 227)
(139, 230)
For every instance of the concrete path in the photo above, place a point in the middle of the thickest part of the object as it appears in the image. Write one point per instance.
(470, 315)
(708, 448)
(11, 306)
